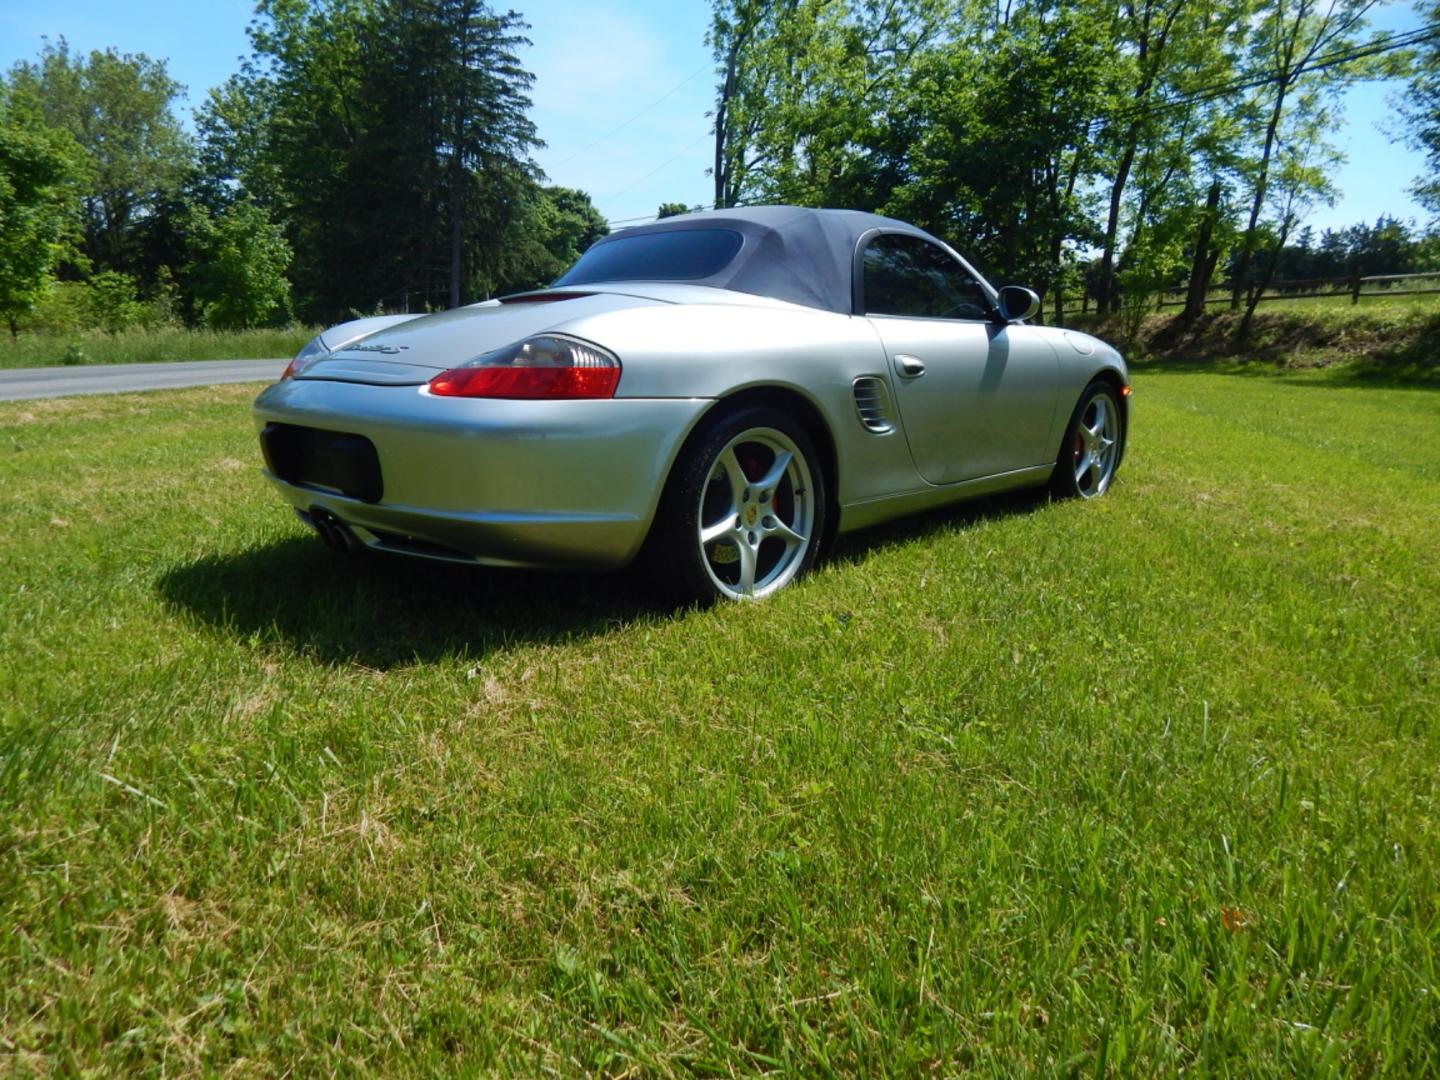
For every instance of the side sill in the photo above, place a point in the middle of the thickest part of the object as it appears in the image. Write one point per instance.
(861, 515)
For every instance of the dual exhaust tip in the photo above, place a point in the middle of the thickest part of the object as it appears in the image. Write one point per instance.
(334, 532)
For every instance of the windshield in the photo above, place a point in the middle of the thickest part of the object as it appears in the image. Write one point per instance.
(672, 255)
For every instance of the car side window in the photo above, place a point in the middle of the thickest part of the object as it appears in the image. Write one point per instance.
(908, 275)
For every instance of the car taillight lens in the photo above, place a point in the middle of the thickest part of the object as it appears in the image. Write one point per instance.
(548, 367)
(312, 350)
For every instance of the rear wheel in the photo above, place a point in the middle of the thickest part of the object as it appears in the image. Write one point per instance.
(1092, 446)
(744, 511)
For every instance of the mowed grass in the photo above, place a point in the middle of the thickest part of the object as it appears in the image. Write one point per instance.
(1133, 787)
(31, 349)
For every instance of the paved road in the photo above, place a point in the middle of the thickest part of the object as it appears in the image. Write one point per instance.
(18, 384)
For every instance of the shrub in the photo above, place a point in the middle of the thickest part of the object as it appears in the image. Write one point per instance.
(113, 303)
(239, 271)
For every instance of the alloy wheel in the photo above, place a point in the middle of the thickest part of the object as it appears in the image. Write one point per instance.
(757, 514)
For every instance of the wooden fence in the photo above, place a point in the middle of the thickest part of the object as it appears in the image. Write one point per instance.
(1379, 286)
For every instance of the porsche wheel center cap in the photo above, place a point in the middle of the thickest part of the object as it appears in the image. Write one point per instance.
(751, 513)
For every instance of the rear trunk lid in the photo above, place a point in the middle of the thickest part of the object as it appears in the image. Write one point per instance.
(414, 352)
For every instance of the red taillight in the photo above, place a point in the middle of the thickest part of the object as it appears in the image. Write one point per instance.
(292, 367)
(547, 367)
(534, 383)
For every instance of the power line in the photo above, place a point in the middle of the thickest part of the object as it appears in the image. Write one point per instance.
(669, 161)
(1252, 81)
(616, 130)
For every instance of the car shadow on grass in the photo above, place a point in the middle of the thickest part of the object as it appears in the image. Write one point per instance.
(383, 611)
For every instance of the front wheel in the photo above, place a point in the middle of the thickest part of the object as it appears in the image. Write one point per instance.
(1092, 446)
(744, 511)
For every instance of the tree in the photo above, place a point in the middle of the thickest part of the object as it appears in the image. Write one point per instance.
(391, 137)
(1165, 51)
(118, 109)
(808, 88)
(235, 154)
(672, 209)
(40, 171)
(554, 228)
(1288, 46)
(482, 90)
(1000, 155)
(574, 224)
(238, 273)
(1421, 109)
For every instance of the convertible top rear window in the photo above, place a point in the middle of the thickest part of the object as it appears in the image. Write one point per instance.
(674, 255)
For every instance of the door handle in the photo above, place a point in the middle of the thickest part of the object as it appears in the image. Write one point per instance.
(909, 367)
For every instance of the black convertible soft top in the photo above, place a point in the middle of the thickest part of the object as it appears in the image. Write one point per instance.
(787, 252)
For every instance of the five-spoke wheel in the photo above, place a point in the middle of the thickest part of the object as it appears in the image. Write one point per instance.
(745, 509)
(1093, 443)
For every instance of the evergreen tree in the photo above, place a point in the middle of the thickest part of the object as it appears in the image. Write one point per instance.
(392, 138)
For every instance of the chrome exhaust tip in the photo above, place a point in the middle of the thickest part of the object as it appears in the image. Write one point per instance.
(334, 532)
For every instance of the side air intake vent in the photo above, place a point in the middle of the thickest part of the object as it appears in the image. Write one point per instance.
(872, 403)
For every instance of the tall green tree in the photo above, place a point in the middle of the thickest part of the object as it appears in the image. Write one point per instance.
(1421, 108)
(574, 223)
(1163, 52)
(805, 87)
(483, 104)
(40, 175)
(119, 109)
(1302, 167)
(1290, 42)
(554, 228)
(1004, 159)
(392, 138)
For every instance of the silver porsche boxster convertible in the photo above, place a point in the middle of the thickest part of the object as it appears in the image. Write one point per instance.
(717, 393)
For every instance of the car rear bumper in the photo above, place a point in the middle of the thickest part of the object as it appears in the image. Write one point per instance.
(510, 483)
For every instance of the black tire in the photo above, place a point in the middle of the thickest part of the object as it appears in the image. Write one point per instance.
(768, 522)
(1093, 445)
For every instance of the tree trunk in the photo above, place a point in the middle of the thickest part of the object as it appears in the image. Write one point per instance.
(722, 115)
(1105, 298)
(457, 209)
(1203, 265)
(1247, 246)
(1242, 334)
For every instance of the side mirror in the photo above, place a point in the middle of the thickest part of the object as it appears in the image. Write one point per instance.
(1017, 302)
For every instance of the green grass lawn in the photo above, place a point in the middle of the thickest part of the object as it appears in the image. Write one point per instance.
(150, 346)
(1134, 787)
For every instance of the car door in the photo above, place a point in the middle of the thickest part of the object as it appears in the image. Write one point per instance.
(976, 396)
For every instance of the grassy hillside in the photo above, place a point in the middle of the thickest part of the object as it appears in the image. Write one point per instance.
(1385, 342)
(1138, 786)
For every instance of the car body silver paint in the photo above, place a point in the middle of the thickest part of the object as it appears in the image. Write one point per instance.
(576, 483)
(983, 401)
(535, 483)
(333, 337)
(450, 338)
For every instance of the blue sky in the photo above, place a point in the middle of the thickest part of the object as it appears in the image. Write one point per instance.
(622, 91)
